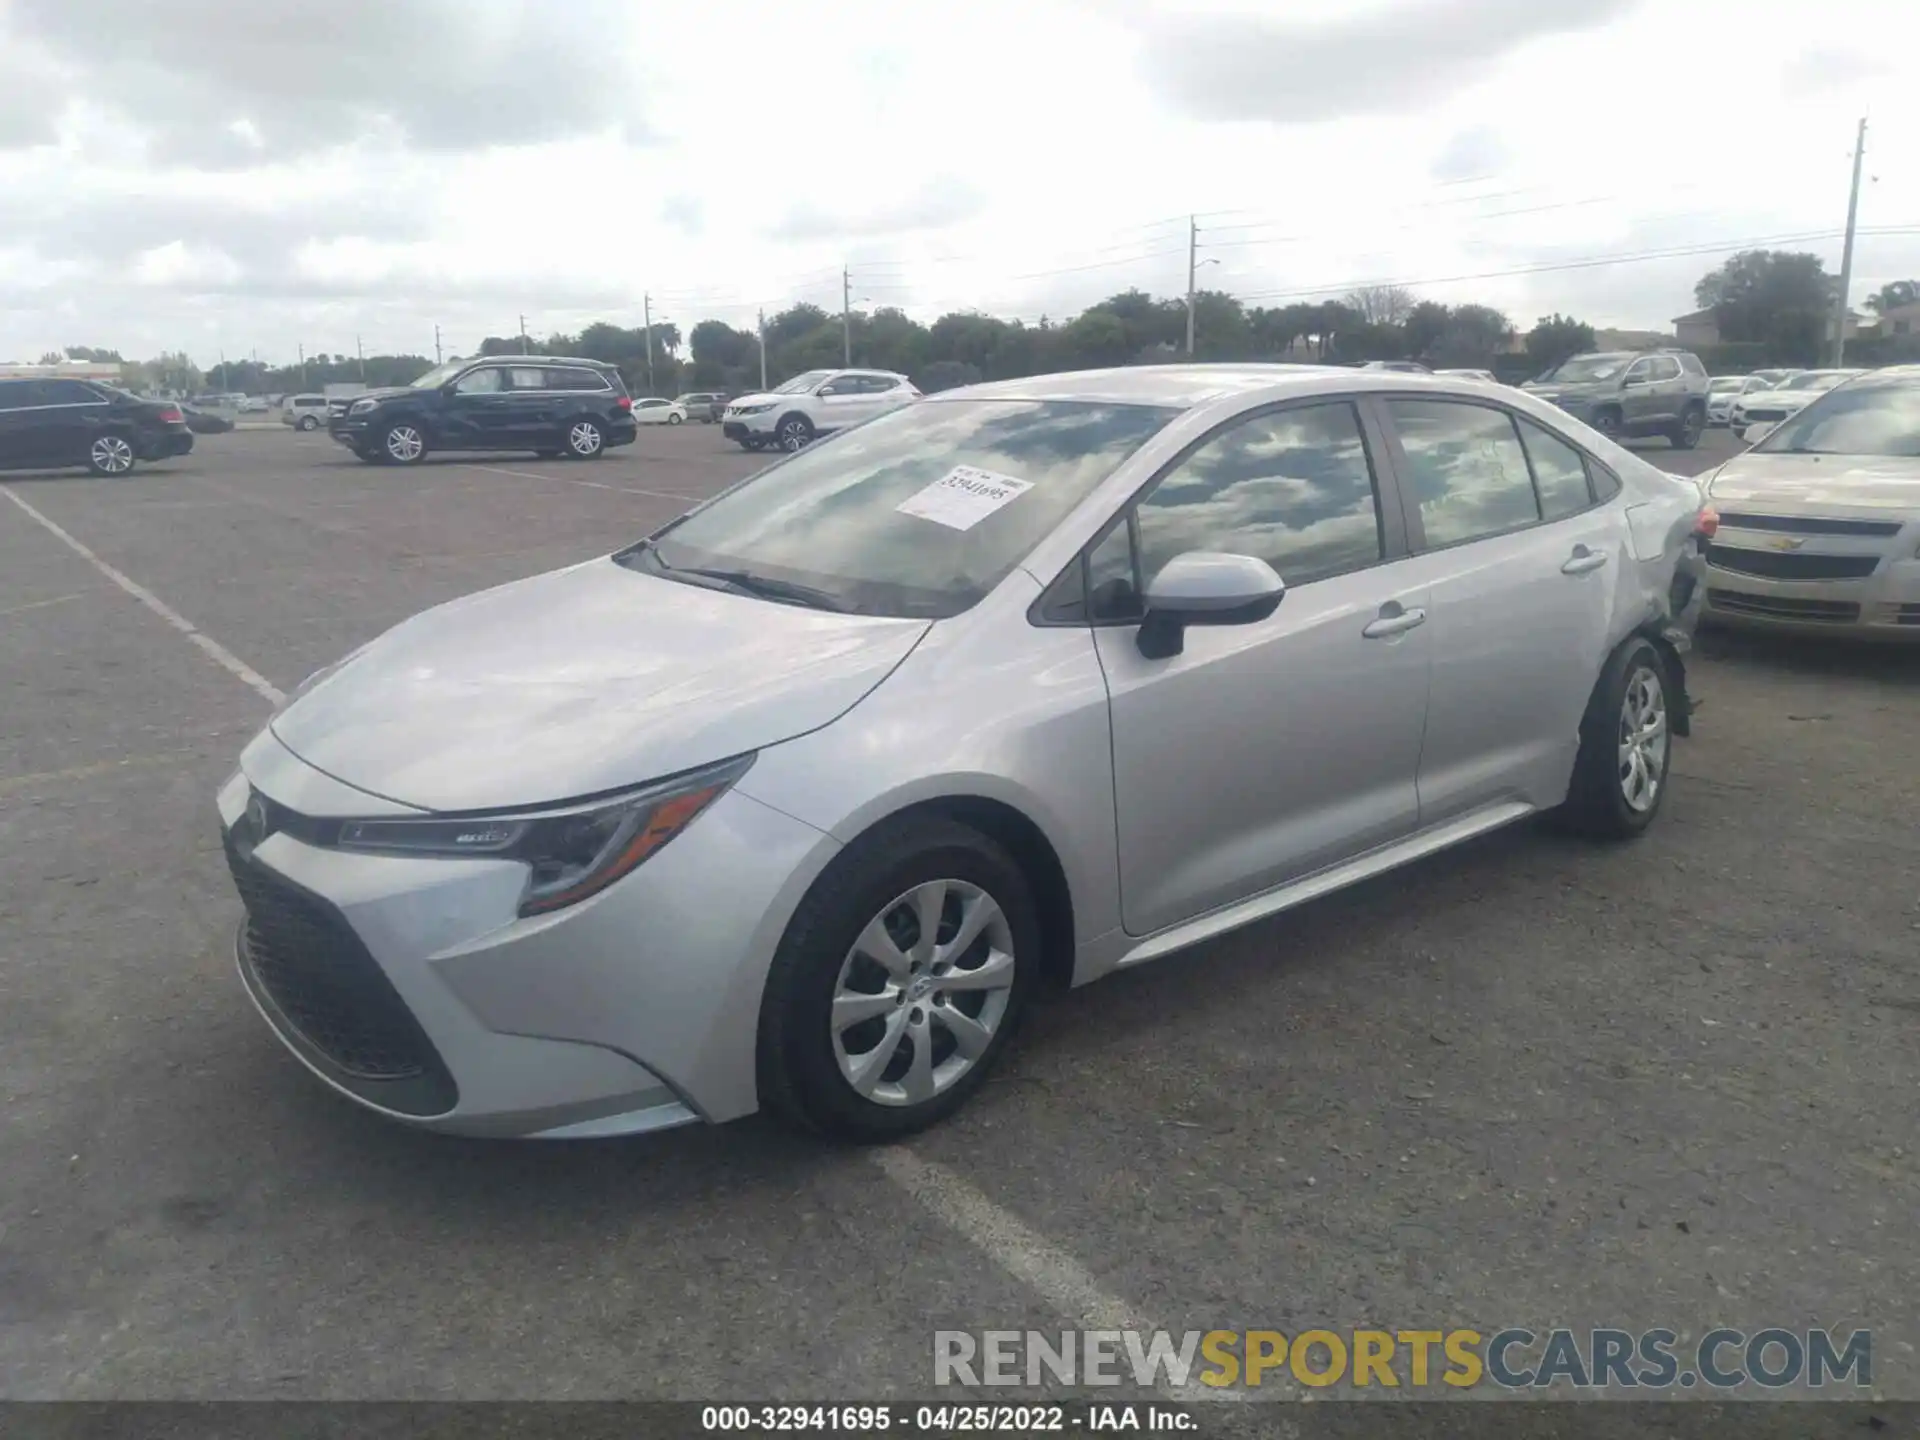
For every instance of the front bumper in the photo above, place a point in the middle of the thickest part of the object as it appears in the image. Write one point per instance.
(748, 427)
(1884, 605)
(429, 1000)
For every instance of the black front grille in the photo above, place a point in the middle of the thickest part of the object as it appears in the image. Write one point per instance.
(1806, 525)
(322, 980)
(1765, 414)
(1790, 564)
(1907, 615)
(1774, 607)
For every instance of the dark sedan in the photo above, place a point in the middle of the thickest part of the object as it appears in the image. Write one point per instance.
(49, 423)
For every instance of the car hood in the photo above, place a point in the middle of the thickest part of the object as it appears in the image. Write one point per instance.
(763, 397)
(578, 682)
(1780, 397)
(387, 392)
(1818, 483)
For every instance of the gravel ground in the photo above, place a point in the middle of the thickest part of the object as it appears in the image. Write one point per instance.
(1530, 1082)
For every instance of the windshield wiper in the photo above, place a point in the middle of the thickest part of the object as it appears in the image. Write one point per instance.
(787, 592)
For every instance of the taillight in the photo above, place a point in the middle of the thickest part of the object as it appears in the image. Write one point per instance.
(171, 416)
(1707, 522)
(625, 402)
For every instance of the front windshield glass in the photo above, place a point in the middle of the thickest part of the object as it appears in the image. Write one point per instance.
(1813, 380)
(1873, 418)
(439, 375)
(918, 513)
(800, 383)
(1583, 368)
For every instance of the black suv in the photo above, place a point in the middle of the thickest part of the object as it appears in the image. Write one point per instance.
(49, 423)
(542, 403)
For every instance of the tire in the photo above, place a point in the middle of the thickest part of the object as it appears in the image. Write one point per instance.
(1686, 435)
(1607, 422)
(807, 1065)
(795, 432)
(307, 422)
(753, 445)
(586, 440)
(404, 443)
(111, 454)
(369, 457)
(1607, 799)
(673, 419)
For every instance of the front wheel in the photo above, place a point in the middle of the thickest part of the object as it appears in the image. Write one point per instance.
(673, 419)
(1626, 747)
(585, 440)
(404, 444)
(898, 982)
(307, 422)
(110, 455)
(1686, 434)
(795, 433)
(752, 444)
(1607, 422)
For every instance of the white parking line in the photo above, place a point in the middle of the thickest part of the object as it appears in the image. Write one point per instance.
(1030, 1258)
(219, 653)
(589, 484)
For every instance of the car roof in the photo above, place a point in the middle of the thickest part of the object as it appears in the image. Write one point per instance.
(1179, 386)
(543, 360)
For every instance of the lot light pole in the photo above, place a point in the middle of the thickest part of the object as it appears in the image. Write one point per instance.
(1846, 250)
(436, 346)
(763, 350)
(846, 316)
(523, 335)
(361, 351)
(646, 331)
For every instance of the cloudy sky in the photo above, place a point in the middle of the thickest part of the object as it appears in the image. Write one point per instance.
(229, 177)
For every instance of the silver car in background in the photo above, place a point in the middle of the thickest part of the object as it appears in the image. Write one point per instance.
(1818, 525)
(1771, 406)
(793, 803)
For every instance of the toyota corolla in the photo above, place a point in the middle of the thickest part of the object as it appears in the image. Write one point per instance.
(793, 802)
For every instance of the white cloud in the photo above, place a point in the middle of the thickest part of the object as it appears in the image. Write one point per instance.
(195, 176)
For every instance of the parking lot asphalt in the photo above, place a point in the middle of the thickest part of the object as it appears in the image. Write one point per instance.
(1530, 1082)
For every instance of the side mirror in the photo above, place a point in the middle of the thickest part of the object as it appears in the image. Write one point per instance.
(1204, 587)
(1756, 432)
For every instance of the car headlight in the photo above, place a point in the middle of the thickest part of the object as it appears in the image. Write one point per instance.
(361, 407)
(571, 853)
(753, 409)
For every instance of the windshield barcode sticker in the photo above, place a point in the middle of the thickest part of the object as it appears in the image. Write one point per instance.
(963, 497)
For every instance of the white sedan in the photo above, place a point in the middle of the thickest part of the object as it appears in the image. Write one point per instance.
(1770, 407)
(654, 411)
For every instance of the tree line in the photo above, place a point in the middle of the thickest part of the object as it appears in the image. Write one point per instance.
(1771, 307)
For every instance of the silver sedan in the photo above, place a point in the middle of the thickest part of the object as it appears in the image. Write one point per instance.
(794, 802)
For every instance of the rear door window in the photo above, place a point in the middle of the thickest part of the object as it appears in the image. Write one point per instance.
(1466, 469)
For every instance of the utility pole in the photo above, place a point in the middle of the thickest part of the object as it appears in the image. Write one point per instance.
(361, 350)
(302, 348)
(1846, 252)
(646, 330)
(763, 350)
(523, 335)
(436, 346)
(846, 315)
(1193, 251)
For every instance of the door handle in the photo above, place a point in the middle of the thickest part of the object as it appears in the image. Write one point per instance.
(1397, 623)
(1584, 561)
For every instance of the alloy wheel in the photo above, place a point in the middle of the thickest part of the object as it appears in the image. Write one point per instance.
(1643, 740)
(405, 444)
(112, 455)
(793, 436)
(922, 993)
(584, 438)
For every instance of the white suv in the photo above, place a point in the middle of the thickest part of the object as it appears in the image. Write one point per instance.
(815, 403)
(304, 412)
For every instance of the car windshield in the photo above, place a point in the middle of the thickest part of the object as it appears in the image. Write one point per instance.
(1721, 383)
(1589, 367)
(918, 513)
(1813, 380)
(801, 383)
(439, 375)
(1872, 418)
